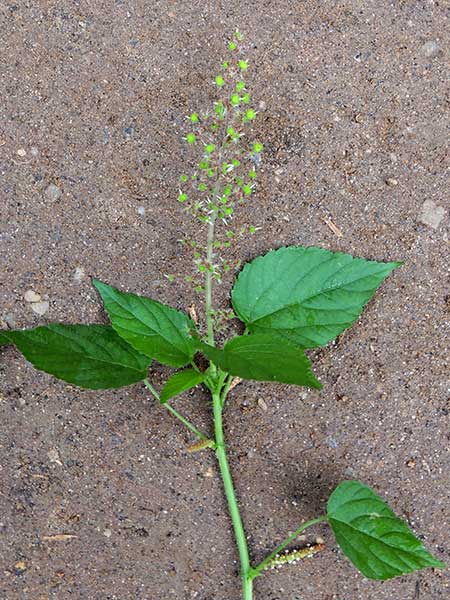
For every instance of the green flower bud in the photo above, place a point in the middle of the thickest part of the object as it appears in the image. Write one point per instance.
(231, 46)
(240, 86)
(243, 65)
(257, 147)
(182, 197)
(210, 148)
(194, 118)
(220, 81)
(235, 99)
(183, 178)
(191, 139)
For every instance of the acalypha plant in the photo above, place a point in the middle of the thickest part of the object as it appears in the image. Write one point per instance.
(288, 301)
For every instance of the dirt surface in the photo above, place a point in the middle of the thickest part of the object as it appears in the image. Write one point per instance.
(351, 101)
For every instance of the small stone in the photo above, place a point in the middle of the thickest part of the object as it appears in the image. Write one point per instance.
(430, 48)
(432, 214)
(53, 192)
(20, 566)
(79, 274)
(21, 152)
(262, 404)
(262, 105)
(411, 463)
(391, 181)
(40, 308)
(107, 533)
(141, 211)
(32, 296)
(53, 456)
(10, 320)
(34, 151)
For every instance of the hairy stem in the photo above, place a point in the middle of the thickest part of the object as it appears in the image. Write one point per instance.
(262, 565)
(239, 533)
(208, 282)
(176, 414)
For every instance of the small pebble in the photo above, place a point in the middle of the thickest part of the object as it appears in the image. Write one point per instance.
(10, 320)
(20, 566)
(34, 151)
(430, 48)
(391, 181)
(40, 308)
(141, 211)
(32, 296)
(79, 274)
(107, 533)
(432, 214)
(54, 457)
(262, 404)
(21, 152)
(53, 192)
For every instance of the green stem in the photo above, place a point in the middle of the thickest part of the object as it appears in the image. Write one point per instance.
(262, 565)
(233, 507)
(176, 414)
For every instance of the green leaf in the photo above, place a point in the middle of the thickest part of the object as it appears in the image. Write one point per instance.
(4, 341)
(263, 358)
(156, 330)
(307, 295)
(180, 382)
(90, 356)
(378, 543)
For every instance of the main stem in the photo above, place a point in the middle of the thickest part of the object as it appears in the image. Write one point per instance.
(239, 533)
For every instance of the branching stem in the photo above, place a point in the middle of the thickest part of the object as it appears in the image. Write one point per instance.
(176, 414)
(262, 565)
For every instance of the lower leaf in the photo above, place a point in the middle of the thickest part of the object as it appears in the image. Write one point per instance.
(264, 358)
(378, 543)
(89, 356)
(180, 382)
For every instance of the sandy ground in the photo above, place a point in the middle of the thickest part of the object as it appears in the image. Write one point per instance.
(94, 95)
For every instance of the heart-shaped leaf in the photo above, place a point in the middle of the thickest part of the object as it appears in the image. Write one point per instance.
(264, 358)
(156, 330)
(180, 382)
(307, 295)
(377, 542)
(90, 356)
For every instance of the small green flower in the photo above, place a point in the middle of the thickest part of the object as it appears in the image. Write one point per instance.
(220, 81)
(231, 46)
(220, 110)
(191, 139)
(230, 234)
(194, 118)
(243, 65)
(210, 148)
(225, 64)
(203, 164)
(240, 86)
(182, 197)
(211, 172)
(257, 147)
(227, 190)
(238, 35)
(183, 178)
(202, 187)
(247, 190)
(235, 99)
(170, 277)
(252, 174)
(249, 115)
(246, 98)
(236, 162)
(252, 229)
(214, 127)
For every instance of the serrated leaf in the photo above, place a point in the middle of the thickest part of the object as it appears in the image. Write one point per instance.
(263, 358)
(307, 295)
(378, 543)
(90, 356)
(180, 382)
(156, 330)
